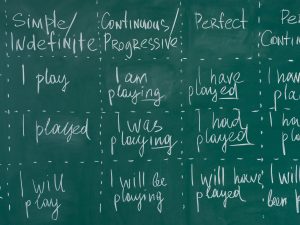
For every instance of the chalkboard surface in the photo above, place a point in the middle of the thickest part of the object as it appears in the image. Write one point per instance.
(163, 112)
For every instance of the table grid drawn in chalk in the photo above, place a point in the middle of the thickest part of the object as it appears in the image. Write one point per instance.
(155, 112)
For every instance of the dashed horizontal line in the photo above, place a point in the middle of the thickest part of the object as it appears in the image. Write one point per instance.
(52, 56)
(133, 160)
(87, 112)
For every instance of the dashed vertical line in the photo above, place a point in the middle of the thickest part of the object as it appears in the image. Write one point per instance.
(181, 52)
(181, 102)
(7, 76)
(260, 85)
(101, 108)
(100, 61)
(101, 163)
(8, 99)
(260, 71)
(8, 195)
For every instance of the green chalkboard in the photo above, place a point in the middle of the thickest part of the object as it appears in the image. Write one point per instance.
(163, 112)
